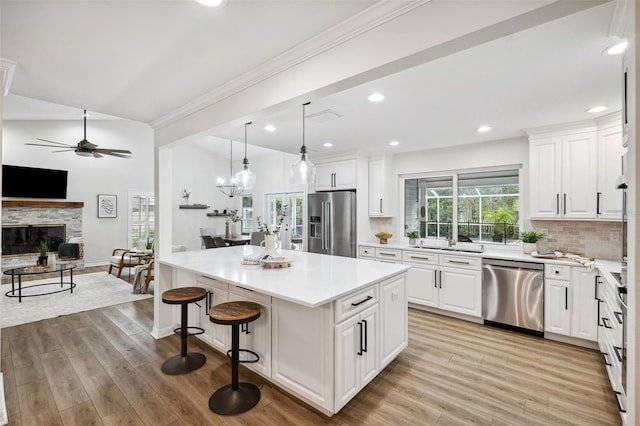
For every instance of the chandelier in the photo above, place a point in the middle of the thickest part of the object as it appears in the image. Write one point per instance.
(230, 186)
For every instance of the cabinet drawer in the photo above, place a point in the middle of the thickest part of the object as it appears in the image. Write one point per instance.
(384, 253)
(366, 251)
(254, 296)
(355, 303)
(467, 262)
(557, 272)
(420, 257)
(211, 282)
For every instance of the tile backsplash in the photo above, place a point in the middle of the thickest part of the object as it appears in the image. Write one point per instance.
(592, 239)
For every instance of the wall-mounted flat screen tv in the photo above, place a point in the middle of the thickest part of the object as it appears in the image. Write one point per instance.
(31, 182)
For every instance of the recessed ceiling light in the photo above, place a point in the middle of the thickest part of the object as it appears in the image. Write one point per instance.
(376, 97)
(617, 48)
(598, 108)
(483, 129)
(212, 3)
(327, 144)
(270, 128)
(394, 143)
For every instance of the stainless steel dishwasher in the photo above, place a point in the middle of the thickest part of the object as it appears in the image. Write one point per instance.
(513, 295)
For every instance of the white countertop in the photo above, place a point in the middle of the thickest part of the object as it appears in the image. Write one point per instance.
(312, 279)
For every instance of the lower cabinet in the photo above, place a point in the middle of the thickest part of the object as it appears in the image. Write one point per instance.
(214, 334)
(357, 354)
(460, 291)
(393, 319)
(570, 304)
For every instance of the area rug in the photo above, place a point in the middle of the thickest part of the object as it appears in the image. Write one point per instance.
(92, 291)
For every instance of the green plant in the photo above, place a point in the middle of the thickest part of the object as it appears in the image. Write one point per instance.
(233, 216)
(530, 236)
(384, 235)
(43, 248)
(149, 244)
(264, 228)
(413, 234)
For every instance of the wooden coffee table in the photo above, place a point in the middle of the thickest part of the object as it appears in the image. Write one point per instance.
(40, 270)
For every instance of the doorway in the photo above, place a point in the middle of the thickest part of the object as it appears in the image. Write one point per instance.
(292, 231)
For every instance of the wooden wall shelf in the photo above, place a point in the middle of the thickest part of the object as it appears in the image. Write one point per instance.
(43, 204)
(194, 206)
(218, 215)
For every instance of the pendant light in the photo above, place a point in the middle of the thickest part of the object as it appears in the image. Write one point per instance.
(245, 176)
(230, 186)
(304, 171)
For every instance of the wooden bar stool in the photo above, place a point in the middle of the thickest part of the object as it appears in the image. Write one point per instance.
(184, 362)
(237, 397)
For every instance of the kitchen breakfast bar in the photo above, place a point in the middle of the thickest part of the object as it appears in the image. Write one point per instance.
(328, 324)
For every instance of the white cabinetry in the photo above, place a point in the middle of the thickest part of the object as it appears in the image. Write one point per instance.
(215, 334)
(563, 180)
(381, 200)
(610, 152)
(335, 176)
(393, 319)
(422, 278)
(570, 307)
(357, 354)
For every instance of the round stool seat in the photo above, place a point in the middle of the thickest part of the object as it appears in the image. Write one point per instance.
(184, 362)
(231, 313)
(179, 295)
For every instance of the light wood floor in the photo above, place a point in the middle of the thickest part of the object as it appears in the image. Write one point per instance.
(103, 367)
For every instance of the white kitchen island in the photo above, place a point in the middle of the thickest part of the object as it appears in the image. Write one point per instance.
(328, 324)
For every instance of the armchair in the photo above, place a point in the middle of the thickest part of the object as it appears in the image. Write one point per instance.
(123, 258)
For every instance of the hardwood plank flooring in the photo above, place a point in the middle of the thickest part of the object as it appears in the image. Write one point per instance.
(102, 367)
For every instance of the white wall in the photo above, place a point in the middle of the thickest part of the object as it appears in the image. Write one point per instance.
(475, 156)
(89, 176)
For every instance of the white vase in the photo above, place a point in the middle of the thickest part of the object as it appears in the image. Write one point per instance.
(235, 229)
(51, 261)
(270, 245)
(527, 248)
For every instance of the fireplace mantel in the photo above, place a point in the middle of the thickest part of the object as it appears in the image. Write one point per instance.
(43, 204)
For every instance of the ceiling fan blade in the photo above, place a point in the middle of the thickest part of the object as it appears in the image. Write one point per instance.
(108, 151)
(50, 146)
(96, 154)
(85, 144)
(65, 150)
(58, 143)
(115, 154)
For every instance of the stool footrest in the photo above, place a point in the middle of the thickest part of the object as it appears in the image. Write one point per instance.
(199, 330)
(248, 361)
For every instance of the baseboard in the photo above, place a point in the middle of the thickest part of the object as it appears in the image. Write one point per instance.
(4, 418)
(446, 313)
(571, 340)
(162, 332)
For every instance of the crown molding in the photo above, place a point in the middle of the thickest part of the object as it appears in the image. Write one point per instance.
(9, 67)
(350, 28)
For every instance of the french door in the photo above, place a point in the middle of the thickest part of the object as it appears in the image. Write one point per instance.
(141, 219)
(292, 234)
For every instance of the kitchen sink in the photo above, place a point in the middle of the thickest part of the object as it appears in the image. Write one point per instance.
(453, 248)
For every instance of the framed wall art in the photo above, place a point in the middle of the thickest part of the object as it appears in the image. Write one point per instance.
(107, 205)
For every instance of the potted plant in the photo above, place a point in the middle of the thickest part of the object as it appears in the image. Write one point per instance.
(149, 245)
(383, 237)
(412, 235)
(43, 248)
(530, 241)
(235, 221)
(269, 243)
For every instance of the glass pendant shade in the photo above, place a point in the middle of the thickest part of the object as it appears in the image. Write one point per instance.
(230, 186)
(245, 176)
(304, 171)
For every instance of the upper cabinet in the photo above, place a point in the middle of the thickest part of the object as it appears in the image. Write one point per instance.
(572, 173)
(336, 176)
(381, 200)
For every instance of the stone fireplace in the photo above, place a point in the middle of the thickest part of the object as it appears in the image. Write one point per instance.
(26, 223)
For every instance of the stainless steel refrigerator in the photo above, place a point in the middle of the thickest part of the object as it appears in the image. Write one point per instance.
(332, 223)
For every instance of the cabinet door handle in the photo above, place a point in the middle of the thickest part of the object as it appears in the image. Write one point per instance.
(362, 301)
(380, 205)
(616, 394)
(604, 322)
(596, 287)
(618, 351)
(558, 203)
(244, 327)
(618, 316)
(435, 278)
(421, 258)
(605, 359)
(360, 327)
(566, 298)
(440, 280)
(598, 195)
(599, 323)
(386, 254)
(564, 203)
(458, 262)
(364, 348)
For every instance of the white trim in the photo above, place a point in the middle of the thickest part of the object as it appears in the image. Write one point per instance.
(9, 67)
(4, 418)
(340, 33)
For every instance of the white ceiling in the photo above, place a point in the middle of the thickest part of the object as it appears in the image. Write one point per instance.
(70, 53)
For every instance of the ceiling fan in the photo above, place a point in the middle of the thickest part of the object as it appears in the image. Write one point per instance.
(84, 147)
